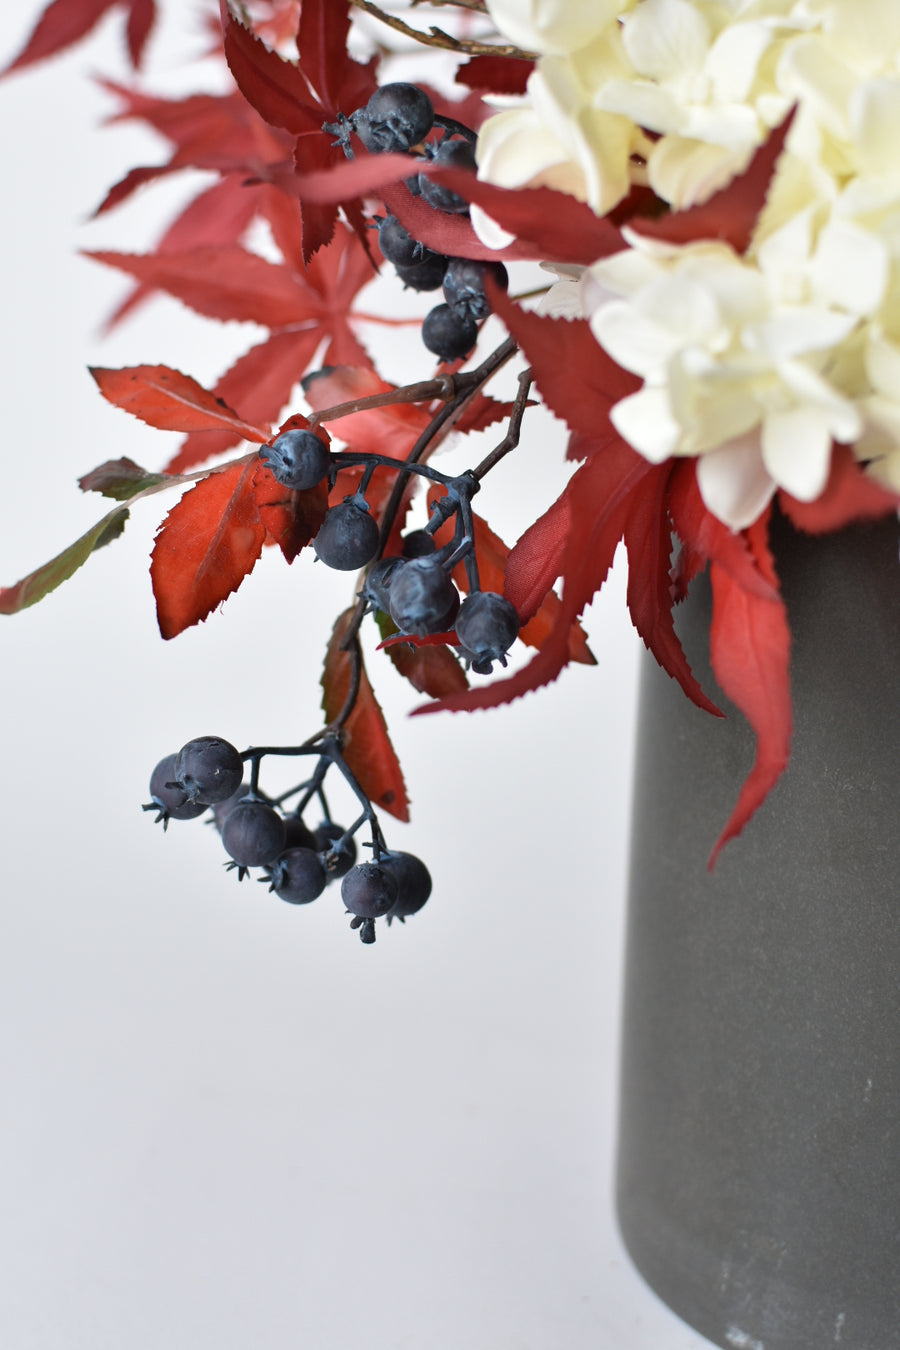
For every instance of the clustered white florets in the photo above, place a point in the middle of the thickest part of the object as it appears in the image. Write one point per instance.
(757, 364)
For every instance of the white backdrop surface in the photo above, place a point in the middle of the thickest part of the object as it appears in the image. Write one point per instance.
(223, 1121)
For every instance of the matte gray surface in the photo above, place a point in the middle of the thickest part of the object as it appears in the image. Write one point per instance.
(759, 1155)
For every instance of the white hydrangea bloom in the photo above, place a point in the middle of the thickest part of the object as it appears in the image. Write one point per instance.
(755, 364)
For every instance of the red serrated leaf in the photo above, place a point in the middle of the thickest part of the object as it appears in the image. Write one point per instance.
(65, 22)
(483, 412)
(577, 379)
(495, 74)
(850, 495)
(291, 518)
(166, 399)
(274, 87)
(706, 537)
(391, 430)
(340, 83)
(749, 650)
(314, 152)
(590, 548)
(261, 382)
(367, 746)
(429, 668)
(206, 545)
(648, 539)
(732, 213)
(224, 282)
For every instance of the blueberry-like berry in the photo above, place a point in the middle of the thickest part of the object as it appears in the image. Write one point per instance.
(297, 876)
(297, 833)
(377, 586)
(208, 769)
(168, 798)
(348, 536)
(396, 117)
(369, 890)
(449, 333)
(449, 154)
(253, 834)
(413, 880)
(337, 862)
(397, 244)
(418, 544)
(421, 596)
(299, 459)
(426, 275)
(487, 626)
(464, 285)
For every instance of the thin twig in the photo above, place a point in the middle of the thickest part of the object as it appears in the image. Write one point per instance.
(514, 427)
(436, 37)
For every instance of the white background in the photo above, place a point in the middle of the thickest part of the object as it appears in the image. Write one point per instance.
(223, 1121)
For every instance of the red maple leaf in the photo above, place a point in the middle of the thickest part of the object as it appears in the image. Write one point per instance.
(495, 74)
(308, 313)
(749, 650)
(730, 214)
(204, 548)
(65, 22)
(167, 399)
(367, 746)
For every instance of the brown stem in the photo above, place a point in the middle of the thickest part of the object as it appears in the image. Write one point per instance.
(514, 428)
(436, 37)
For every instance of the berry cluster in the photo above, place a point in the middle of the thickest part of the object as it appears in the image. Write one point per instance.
(258, 831)
(398, 118)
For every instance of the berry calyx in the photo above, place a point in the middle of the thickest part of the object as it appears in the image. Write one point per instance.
(338, 861)
(168, 798)
(464, 285)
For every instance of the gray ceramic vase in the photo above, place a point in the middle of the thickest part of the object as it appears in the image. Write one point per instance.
(759, 1146)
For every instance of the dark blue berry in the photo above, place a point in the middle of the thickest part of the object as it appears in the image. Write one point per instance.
(338, 861)
(487, 626)
(253, 834)
(464, 285)
(449, 333)
(449, 154)
(297, 876)
(396, 117)
(348, 537)
(208, 769)
(369, 890)
(421, 596)
(299, 458)
(413, 881)
(426, 275)
(168, 798)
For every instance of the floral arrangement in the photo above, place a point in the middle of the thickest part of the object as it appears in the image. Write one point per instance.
(705, 197)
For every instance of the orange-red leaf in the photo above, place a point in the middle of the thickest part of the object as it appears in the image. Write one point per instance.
(291, 518)
(367, 746)
(205, 547)
(165, 398)
(749, 649)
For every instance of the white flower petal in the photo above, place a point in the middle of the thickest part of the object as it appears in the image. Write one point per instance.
(796, 448)
(665, 38)
(792, 330)
(634, 340)
(552, 25)
(850, 267)
(734, 482)
(644, 419)
(562, 301)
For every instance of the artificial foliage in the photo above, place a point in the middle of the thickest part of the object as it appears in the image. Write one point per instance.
(696, 405)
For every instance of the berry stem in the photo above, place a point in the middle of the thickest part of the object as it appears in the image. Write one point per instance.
(513, 430)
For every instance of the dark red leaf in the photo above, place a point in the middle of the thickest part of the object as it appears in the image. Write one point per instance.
(749, 649)
(850, 495)
(340, 83)
(495, 74)
(705, 536)
(732, 213)
(291, 518)
(206, 545)
(430, 669)
(65, 22)
(367, 745)
(315, 152)
(166, 399)
(648, 539)
(226, 282)
(274, 87)
(260, 382)
(576, 378)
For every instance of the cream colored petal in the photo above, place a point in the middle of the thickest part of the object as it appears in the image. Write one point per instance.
(687, 172)
(792, 330)
(644, 419)
(850, 267)
(666, 38)
(796, 448)
(734, 482)
(553, 25)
